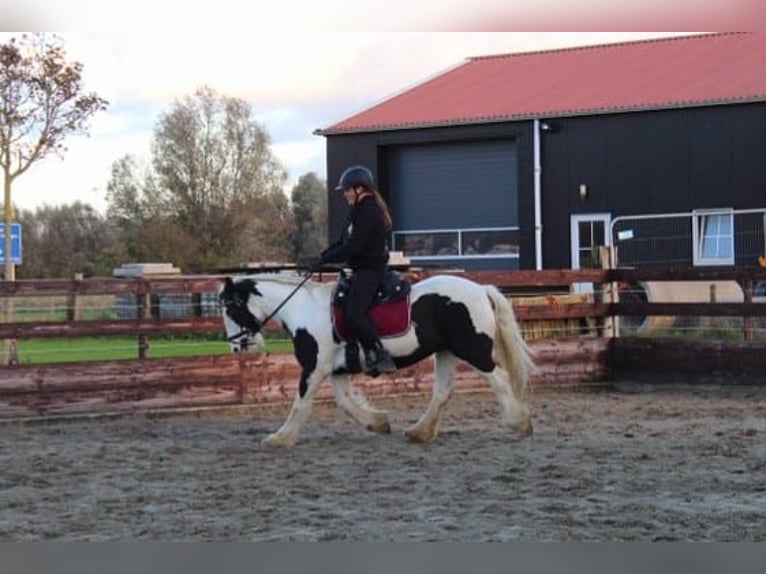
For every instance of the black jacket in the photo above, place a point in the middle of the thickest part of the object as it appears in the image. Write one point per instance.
(362, 245)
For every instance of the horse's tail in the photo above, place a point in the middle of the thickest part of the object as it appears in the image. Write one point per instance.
(511, 351)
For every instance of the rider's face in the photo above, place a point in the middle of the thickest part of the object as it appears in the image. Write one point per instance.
(350, 195)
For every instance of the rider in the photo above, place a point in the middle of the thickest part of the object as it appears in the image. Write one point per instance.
(362, 246)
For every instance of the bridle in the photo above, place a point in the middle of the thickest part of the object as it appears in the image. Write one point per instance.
(239, 308)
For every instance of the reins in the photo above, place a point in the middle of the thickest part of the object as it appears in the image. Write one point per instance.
(282, 304)
(271, 315)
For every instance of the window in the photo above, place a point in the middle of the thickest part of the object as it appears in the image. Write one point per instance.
(488, 242)
(464, 243)
(713, 233)
(592, 235)
(427, 244)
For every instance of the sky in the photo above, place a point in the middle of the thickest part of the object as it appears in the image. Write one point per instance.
(297, 74)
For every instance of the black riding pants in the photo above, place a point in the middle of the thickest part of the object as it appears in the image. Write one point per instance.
(360, 296)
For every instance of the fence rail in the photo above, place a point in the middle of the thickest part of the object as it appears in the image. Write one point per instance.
(587, 356)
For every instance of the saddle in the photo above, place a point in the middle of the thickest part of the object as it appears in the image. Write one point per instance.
(390, 310)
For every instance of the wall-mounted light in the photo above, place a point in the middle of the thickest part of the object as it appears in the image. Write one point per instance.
(583, 191)
(548, 127)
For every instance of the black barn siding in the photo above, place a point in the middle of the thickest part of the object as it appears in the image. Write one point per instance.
(650, 162)
(633, 163)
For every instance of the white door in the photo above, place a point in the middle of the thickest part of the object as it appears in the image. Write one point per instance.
(588, 231)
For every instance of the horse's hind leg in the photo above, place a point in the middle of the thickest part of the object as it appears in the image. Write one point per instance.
(515, 414)
(354, 403)
(427, 427)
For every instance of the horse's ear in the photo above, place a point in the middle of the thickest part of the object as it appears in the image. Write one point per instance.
(249, 286)
(226, 285)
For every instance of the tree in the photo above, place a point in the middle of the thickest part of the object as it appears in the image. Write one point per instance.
(63, 240)
(309, 207)
(215, 176)
(126, 211)
(124, 194)
(41, 103)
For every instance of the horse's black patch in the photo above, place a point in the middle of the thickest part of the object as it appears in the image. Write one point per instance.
(234, 298)
(306, 351)
(238, 292)
(444, 325)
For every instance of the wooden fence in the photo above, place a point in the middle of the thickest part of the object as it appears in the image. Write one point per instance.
(586, 355)
(739, 358)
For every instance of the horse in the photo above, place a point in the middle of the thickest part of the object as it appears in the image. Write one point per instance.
(452, 318)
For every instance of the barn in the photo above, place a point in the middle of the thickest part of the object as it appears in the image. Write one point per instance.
(527, 160)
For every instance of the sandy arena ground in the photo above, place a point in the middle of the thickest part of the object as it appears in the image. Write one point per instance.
(639, 463)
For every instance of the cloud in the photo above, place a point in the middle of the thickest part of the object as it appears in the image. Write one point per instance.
(295, 82)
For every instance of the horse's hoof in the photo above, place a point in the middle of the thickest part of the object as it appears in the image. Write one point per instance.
(384, 428)
(417, 436)
(524, 429)
(274, 441)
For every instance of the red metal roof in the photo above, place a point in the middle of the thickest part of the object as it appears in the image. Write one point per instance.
(649, 74)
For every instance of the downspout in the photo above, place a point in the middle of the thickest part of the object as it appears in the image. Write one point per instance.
(538, 198)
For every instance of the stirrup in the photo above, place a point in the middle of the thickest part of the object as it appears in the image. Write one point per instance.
(378, 361)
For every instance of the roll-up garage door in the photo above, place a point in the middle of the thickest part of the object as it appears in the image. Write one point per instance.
(454, 185)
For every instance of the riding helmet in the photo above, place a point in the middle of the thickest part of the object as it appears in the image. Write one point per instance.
(354, 176)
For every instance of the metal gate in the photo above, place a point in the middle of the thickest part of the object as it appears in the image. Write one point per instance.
(695, 238)
(703, 237)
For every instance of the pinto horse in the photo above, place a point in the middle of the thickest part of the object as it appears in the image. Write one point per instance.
(452, 319)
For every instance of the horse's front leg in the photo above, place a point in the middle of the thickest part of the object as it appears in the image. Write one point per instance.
(315, 366)
(287, 435)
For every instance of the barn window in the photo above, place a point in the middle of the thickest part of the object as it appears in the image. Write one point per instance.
(490, 242)
(427, 243)
(713, 237)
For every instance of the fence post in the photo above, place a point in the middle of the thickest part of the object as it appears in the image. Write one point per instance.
(143, 310)
(610, 292)
(13, 352)
(196, 304)
(8, 346)
(748, 321)
(147, 306)
(73, 302)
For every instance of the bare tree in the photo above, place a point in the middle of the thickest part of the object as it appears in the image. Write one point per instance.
(41, 103)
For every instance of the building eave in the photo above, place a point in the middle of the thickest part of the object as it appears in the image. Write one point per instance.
(548, 115)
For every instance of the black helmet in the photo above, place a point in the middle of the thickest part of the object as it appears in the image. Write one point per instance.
(354, 176)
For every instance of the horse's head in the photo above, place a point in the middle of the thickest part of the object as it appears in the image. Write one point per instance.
(240, 314)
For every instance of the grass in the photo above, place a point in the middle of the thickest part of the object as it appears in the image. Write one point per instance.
(102, 307)
(36, 351)
(54, 308)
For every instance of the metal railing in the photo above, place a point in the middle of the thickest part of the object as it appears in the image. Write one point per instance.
(690, 239)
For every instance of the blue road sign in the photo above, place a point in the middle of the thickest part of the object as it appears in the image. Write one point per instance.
(15, 243)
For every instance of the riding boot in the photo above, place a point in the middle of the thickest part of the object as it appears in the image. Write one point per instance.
(378, 361)
(353, 360)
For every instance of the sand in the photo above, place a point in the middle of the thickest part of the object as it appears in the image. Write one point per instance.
(638, 463)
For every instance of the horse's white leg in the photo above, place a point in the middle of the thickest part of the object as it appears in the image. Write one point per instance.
(299, 413)
(354, 403)
(427, 427)
(515, 414)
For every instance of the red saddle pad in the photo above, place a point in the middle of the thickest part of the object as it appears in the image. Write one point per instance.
(391, 318)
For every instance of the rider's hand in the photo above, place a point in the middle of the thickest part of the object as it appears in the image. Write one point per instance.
(311, 264)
